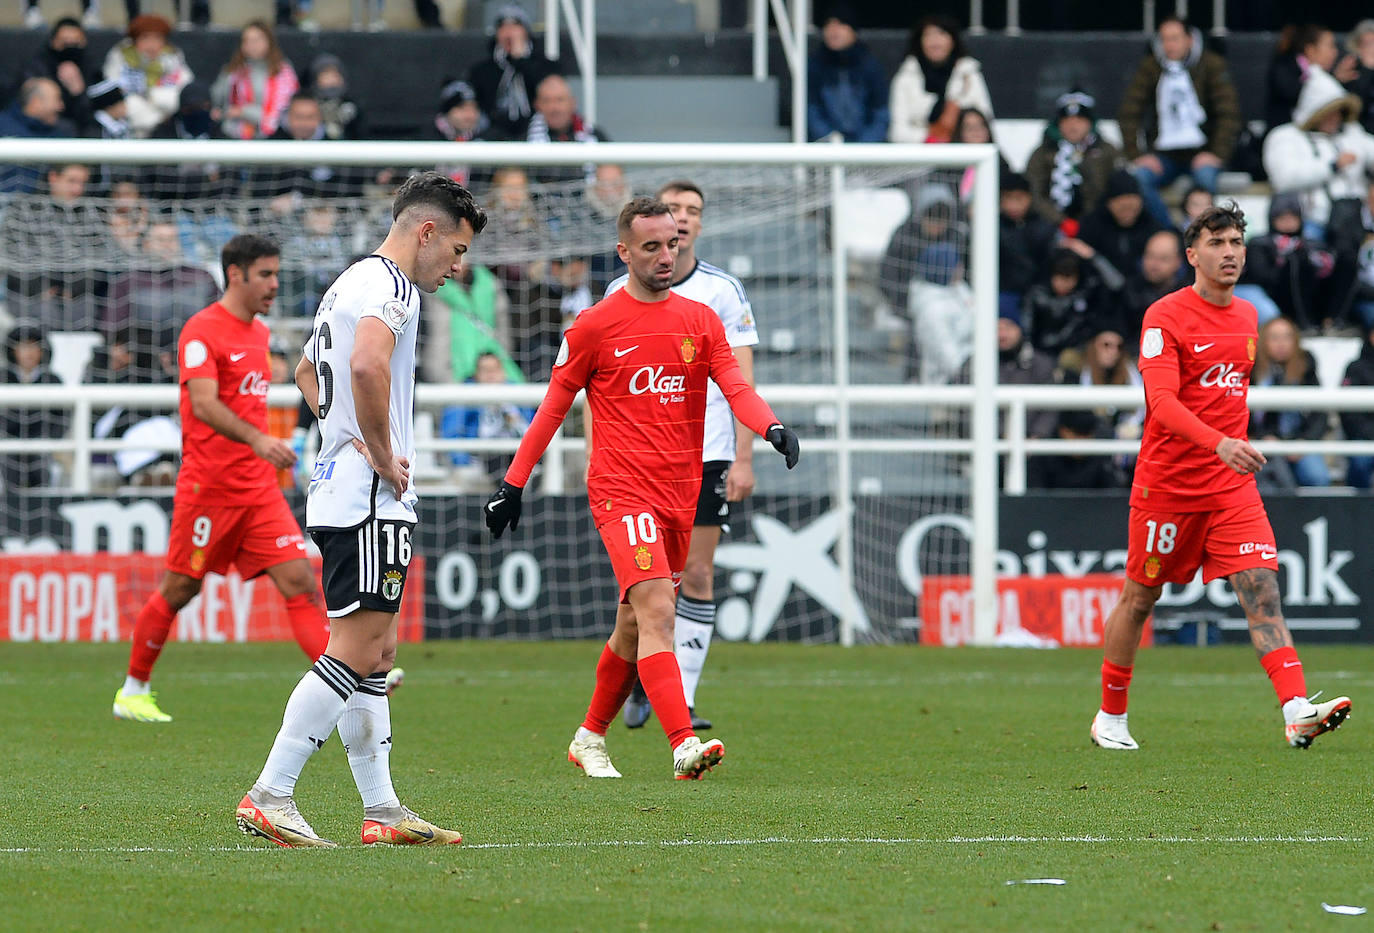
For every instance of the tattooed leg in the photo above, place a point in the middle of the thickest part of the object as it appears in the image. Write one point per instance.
(1258, 592)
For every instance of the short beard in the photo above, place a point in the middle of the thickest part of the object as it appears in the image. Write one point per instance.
(652, 284)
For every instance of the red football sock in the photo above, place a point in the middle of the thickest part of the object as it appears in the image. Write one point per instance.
(661, 678)
(308, 624)
(615, 678)
(1116, 682)
(1285, 672)
(150, 634)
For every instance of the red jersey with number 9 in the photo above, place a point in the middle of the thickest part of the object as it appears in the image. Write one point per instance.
(215, 344)
(1212, 348)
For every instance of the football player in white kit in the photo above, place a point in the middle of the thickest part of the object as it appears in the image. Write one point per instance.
(727, 451)
(358, 374)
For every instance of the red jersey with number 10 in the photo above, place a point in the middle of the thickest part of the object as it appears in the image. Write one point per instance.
(216, 345)
(644, 366)
(1212, 349)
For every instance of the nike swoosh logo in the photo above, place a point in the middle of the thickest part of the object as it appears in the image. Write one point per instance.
(1292, 664)
(423, 833)
(620, 353)
(1268, 555)
(1114, 687)
(1199, 347)
(235, 357)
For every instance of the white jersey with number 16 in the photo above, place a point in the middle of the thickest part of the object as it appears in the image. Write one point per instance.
(344, 490)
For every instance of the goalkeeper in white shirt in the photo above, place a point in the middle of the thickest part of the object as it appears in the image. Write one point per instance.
(727, 450)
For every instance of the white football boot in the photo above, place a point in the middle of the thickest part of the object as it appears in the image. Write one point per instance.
(1304, 720)
(1109, 731)
(588, 752)
(693, 758)
(280, 823)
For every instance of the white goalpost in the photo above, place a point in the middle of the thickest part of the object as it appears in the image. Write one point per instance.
(872, 271)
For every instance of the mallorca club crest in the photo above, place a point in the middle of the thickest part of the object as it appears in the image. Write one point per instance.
(643, 558)
(198, 560)
(1152, 567)
(1250, 349)
(689, 350)
(391, 585)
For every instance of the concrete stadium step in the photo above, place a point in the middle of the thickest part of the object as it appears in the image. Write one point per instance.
(696, 109)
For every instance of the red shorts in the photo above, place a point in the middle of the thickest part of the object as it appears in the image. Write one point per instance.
(208, 538)
(641, 549)
(1169, 547)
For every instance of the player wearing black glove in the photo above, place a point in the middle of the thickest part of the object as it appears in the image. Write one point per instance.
(784, 441)
(503, 508)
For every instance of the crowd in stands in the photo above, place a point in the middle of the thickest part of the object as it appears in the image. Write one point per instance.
(1090, 230)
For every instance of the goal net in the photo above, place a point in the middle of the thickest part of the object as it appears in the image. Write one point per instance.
(859, 276)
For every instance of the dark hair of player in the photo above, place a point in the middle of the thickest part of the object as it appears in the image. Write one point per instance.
(431, 189)
(244, 250)
(681, 184)
(1214, 218)
(639, 207)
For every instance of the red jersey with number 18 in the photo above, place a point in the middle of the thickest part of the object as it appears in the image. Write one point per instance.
(1211, 348)
(214, 469)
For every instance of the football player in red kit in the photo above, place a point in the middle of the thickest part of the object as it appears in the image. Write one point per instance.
(228, 508)
(1194, 501)
(643, 354)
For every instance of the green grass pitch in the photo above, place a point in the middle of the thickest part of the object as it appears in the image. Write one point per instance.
(872, 788)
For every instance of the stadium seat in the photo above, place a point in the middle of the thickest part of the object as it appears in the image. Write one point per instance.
(867, 218)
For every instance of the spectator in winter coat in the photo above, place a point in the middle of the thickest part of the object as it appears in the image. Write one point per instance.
(937, 79)
(1120, 226)
(458, 120)
(1323, 155)
(556, 120)
(1351, 237)
(1299, 50)
(1287, 273)
(35, 114)
(1026, 238)
(505, 81)
(343, 116)
(846, 89)
(1280, 360)
(1067, 307)
(1359, 425)
(151, 71)
(194, 181)
(27, 359)
(1068, 172)
(63, 59)
(255, 88)
(1180, 115)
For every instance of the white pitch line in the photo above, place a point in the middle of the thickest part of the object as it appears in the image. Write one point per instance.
(764, 841)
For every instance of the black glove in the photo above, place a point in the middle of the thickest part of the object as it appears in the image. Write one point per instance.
(503, 508)
(784, 441)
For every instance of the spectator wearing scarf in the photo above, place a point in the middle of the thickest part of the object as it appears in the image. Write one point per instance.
(936, 80)
(1068, 172)
(150, 71)
(256, 86)
(505, 82)
(1180, 115)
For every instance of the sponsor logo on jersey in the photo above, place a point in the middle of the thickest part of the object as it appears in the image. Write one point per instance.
(643, 558)
(1152, 567)
(391, 585)
(255, 383)
(689, 350)
(1222, 376)
(651, 379)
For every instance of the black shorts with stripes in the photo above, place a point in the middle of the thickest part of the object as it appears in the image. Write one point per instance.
(365, 567)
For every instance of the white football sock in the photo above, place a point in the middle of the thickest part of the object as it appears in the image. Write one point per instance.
(692, 639)
(311, 714)
(365, 729)
(133, 686)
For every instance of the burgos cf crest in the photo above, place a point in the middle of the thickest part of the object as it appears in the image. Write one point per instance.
(1152, 567)
(643, 558)
(689, 350)
(391, 585)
